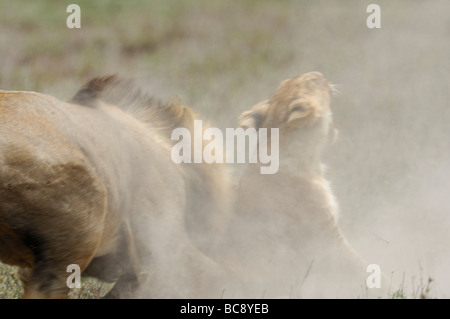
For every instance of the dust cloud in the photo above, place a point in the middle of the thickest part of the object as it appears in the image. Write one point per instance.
(389, 168)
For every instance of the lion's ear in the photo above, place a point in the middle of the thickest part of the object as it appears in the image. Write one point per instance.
(300, 112)
(255, 117)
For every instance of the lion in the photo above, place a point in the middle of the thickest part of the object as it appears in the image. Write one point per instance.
(91, 182)
(284, 235)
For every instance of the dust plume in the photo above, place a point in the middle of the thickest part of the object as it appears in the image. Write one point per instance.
(388, 168)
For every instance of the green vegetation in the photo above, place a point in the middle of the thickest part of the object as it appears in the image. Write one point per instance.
(10, 285)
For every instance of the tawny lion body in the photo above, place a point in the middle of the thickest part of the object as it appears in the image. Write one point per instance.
(284, 232)
(91, 182)
(94, 185)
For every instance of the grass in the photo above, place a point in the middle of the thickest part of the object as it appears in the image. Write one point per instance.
(423, 291)
(11, 286)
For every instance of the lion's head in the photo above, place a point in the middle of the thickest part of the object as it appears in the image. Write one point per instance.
(300, 103)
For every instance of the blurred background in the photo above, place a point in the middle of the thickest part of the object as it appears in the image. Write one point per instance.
(390, 168)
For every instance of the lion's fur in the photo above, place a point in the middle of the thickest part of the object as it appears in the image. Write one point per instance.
(91, 182)
(126, 95)
(284, 232)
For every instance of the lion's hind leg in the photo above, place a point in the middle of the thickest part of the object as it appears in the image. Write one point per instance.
(48, 278)
(43, 282)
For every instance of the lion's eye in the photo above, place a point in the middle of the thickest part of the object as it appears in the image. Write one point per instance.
(297, 112)
(298, 108)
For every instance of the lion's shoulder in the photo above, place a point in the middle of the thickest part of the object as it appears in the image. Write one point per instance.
(126, 94)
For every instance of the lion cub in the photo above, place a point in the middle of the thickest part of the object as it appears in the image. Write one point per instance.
(284, 233)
